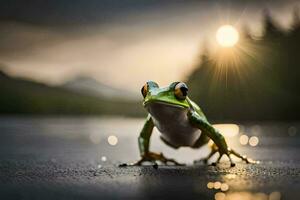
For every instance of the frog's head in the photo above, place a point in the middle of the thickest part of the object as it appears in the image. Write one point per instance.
(173, 95)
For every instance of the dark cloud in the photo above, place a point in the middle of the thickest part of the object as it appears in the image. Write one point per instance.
(61, 12)
(78, 12)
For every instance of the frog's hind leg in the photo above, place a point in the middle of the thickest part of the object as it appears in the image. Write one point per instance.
(203, 140)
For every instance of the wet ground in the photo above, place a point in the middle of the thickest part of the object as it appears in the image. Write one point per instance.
(48, 180)
(72, 158)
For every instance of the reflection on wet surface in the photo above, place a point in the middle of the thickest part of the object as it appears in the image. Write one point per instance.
(247, 196)
(88, 149)
(218, 185)
(222, 194)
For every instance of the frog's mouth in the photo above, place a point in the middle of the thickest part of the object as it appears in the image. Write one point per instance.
(164, 111)
(165, 103)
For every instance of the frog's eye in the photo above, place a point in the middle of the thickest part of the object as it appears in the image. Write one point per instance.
(181, 90)
(144, 90)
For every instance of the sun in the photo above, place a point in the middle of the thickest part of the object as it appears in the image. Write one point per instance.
(227, 36)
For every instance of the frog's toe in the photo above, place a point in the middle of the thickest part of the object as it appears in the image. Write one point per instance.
(244, 158)
(232, 164)
(137, 163)
(153, 158)
(123, 165)
(250, 161)
(168, 161)
(130, 164)
(155, 165)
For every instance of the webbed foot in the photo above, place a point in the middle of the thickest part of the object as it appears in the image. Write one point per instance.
(228, 154)
(232, 164)
(244, 158)
(153, 158)
(233, 152)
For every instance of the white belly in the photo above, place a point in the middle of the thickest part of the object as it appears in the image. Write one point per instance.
(173, 123)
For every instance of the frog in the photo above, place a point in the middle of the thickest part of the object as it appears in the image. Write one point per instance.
(181, 123)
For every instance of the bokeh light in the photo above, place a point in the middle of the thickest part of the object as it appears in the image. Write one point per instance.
(112, 140)
(230, 176)
(227, 130)
(220, 196)
(253, 141)
(224, 187)
(244, 139)
(210, 185)
(250, 196)
(217, 185)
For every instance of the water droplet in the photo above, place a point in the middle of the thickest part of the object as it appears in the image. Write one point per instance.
(103, 158)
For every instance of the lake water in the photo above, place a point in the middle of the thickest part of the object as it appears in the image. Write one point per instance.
(85, 139)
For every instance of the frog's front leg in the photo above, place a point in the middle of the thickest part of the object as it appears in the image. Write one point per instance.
(220, 144)
(144, 143)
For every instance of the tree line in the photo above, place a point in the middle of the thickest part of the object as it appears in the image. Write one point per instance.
(258, 79)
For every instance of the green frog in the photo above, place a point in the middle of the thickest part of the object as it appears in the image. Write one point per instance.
(181, 123)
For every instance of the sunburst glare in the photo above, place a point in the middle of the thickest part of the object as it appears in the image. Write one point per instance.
(227, 36)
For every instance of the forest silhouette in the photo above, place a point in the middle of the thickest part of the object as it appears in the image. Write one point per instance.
(256, 80)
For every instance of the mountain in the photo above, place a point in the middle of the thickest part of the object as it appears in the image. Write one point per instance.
(90, 86)
(21, 96)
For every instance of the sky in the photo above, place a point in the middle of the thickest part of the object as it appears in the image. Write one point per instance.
(122, 43)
